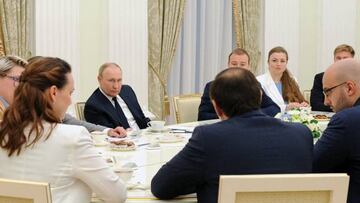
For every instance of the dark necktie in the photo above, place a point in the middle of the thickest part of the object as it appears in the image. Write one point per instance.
(121, 114)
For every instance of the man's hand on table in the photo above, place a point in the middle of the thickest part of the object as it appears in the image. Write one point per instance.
(117, 132)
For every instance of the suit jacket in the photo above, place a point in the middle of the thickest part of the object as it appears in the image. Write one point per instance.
(338, 149)
(70, 120)
(207, 111)
(317, 97)
(68, 161)
(252, 143)
(99, 110)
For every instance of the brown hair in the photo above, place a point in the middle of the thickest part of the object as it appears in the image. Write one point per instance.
(291, 91)
(239, 51)
(31, 106)
(346, 48)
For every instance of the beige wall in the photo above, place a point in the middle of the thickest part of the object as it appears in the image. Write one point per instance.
(93, 44)
(309, 29)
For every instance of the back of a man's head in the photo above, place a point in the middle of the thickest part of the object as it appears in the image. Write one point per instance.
(236, 91)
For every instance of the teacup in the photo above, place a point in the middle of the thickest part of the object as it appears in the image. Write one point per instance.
(98, 136)
(156, 125)
(124, 173)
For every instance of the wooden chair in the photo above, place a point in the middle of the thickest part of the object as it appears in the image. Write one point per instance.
(15, 191)
(79, 108)
(281, 188)
(186, 107)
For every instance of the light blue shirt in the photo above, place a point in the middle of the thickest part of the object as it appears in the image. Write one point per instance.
(4, 102)
(279, 87)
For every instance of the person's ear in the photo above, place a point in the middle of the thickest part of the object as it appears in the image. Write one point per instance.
(218, 110)
(52, 91)
(351, 88)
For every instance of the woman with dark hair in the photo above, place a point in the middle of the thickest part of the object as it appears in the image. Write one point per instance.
(35, 146)
(279, 84)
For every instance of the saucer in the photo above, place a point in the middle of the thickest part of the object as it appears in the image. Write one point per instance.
(170, 138)
(100, 144)
(165, 129)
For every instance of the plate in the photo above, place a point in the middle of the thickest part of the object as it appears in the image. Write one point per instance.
(100, 144)
(170, 138)
(122, 148)
(122, 145)
(158, 130)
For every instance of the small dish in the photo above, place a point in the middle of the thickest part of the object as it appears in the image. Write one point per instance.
(170, 138)
(124, 173)
(100, 143)
(159, 130)
(122, 145)
(153, 146)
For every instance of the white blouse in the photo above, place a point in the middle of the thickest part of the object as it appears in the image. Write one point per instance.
(71, 164)
(271, 90)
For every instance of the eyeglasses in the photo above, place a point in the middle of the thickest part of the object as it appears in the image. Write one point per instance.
(16, 79)
(327, 91)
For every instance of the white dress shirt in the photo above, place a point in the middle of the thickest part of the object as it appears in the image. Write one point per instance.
(68, 161)
(125, 109)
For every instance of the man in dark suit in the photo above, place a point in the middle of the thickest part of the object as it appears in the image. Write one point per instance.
(114, 104)
(246, 141)
(342, 51)
(241, 59)
(338, 149)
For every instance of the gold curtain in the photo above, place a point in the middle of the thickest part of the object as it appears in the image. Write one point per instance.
(246, 14)
(164, 23)
(2, 50)
(15, 29)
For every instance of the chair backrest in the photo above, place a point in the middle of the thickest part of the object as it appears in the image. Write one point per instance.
(186, 107)
(281, 188)
(15, 191)
(79, 108)
(307, 94)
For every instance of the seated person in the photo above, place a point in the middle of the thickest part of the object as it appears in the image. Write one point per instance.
(337, 150)
(11, 68)
(342, 51)
(36, 146)
(279, 84)
(246, 141)
(238, 58)
(114, 104)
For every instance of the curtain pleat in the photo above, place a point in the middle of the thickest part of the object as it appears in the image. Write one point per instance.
(15, 28)
(164, 23)
(246, 15)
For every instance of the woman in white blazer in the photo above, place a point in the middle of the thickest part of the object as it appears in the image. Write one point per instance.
(35, 146)
(279, 84)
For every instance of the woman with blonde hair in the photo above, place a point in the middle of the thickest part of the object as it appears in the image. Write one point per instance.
(36, 146)
(11, 68)
(279, 84)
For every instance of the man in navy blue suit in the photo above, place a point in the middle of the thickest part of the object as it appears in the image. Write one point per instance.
(114, 104)
(246, 141)
(241, 59)
(338, 149)
(317, 98)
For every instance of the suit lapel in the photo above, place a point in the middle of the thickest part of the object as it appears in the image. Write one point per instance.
(108, 106)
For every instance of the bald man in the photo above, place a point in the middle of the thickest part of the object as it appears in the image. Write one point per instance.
(338, 149)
